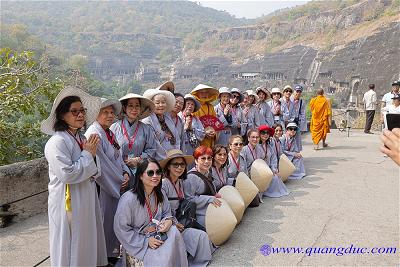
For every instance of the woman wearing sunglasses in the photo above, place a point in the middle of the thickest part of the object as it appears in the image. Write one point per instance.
(143, 222)
(114, 176)
(198, 185)
(287, 105)
(75, 225)
(219, 170)
(267, 142)
(198, 245)
(276, 106)
(291, 150)
(224, 114)
(236, 111)
(236, 162)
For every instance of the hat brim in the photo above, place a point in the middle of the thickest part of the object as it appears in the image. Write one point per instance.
(91, 103)
(117, 106)
(234, 199)
(146, 105)
(286, 167)
(261, 174)
(168, 86)
(247, 189)
(220, 222)
(170, 98)
(188, 159)
(212, 92)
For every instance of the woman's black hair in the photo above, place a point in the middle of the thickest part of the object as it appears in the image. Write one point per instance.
(63, 108)
(139, 187)
(124, 103)
(216, 149)
(166, 171)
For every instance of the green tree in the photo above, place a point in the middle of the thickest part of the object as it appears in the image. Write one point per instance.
(25, 95)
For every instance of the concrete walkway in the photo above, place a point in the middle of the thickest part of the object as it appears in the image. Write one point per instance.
(350, 197)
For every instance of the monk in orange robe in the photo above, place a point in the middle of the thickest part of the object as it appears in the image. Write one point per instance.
(320, 121)
(206, 95)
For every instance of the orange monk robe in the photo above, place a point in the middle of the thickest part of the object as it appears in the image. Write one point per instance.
(321, 113)
(206, 109)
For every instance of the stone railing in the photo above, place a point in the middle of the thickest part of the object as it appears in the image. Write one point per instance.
(19, 181)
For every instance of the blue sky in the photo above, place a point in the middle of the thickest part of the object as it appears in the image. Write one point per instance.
(250, 9)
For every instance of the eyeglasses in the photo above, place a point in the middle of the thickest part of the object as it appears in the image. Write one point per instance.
(177, 164)
(263, 132)
(291, 129)
(76, 112)
(206, 158)
(237, 144)
(236, 96)
(151, 173)
(287, 91)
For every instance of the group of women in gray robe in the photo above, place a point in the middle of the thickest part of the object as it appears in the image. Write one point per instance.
(145, 131)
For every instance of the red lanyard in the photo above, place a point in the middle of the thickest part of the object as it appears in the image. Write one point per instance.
(233, 109)
(176, 121)
(236, 163)
(251, 151)
(110, 136)
(277, 147)
(265, 150)
(289, 144)
(276, 105)
(179, 191)
(80, 142)
(288, 103)
(131, 141)
(219, 176)
(148, 206)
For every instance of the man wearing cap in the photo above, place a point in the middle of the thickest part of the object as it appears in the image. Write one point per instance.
(393, 108)
(387, 98)
(321, 112)
(369, 100)
(299, 110)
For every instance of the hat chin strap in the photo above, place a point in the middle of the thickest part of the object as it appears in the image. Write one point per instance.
(73, 128)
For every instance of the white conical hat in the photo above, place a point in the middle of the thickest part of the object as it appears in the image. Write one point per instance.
(261, 174)
(220, 222)
(234, 199)
(286, 167)
(170, 98)
(247, 189)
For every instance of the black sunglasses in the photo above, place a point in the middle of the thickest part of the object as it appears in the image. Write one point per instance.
(236, 96)
(291, 129)
(151, 173)
(237, 144)
(177, 164)
(263, 132)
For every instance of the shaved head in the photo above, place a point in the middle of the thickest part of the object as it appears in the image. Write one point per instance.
(320, 91)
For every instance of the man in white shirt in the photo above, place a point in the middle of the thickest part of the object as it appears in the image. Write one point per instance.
(369, 100)
(387, 98)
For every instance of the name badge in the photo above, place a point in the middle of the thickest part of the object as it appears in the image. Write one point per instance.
(277, 118)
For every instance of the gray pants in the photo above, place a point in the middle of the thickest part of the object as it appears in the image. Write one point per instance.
(369, 119)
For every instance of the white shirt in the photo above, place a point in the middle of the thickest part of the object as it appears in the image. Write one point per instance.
(391, 109)
(387, 98)
(370, 100)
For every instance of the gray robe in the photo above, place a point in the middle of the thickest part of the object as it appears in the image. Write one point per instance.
(288, 110)
(85, 244)
(145, 144)
(251, 120)
(178, 124)
(236, 120)
(130, 221)
(299, 109)
(221, 180)
(233, 171)
(276, 188)
(278, 118)
(110, 181)
(251, 155)
(266, 116)
(194, 189)
(290, 148)
(163, 144)
(198, 245)
(197, 130)
(223, 135)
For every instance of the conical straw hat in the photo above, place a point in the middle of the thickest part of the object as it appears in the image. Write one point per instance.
(261, 174)
(247, 189)
(220, 222)
(286, 167)
(234, 199)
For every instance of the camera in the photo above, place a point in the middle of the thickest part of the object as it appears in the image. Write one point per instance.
(392, 120)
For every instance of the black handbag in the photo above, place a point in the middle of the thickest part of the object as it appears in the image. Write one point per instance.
(186, 214)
